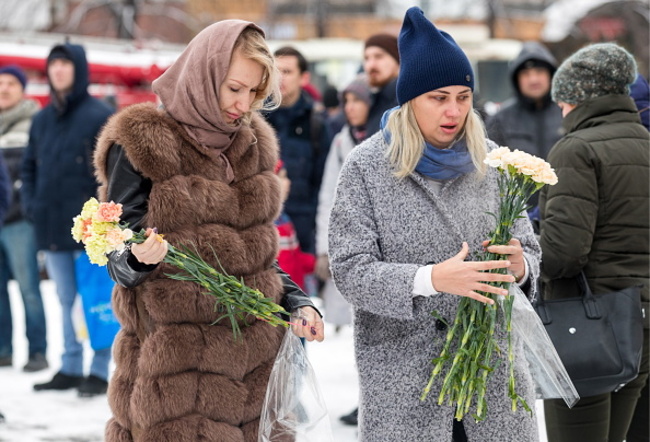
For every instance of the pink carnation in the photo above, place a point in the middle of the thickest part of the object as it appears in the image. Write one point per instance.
(108, 212)
(86, 229)
(115, 238)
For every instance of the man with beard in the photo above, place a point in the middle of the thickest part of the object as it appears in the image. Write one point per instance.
(381, 65)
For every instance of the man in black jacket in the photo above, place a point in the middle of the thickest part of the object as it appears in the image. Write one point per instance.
(58, 178)
(304, 143)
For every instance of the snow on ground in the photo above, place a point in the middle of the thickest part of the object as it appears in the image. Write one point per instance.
(63, 417)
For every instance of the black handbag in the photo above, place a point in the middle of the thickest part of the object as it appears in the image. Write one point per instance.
(599, 338)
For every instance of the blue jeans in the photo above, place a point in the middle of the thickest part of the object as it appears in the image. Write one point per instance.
(60, 267)
(18, 260)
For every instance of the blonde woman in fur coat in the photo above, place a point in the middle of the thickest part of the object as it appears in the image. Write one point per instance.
(198, 169)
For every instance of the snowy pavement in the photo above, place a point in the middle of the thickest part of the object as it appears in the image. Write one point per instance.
(63, 417)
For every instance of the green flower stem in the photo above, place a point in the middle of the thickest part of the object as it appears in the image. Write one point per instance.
(234, 300)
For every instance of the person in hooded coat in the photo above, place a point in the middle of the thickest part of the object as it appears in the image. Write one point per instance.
(529, 121)
(57, 179)
(411, 202)
(199, 169)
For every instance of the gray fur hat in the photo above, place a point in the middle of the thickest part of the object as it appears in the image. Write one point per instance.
(596, 70)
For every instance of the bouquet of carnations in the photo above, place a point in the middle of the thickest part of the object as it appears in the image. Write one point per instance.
(99, 228)
(467, 357)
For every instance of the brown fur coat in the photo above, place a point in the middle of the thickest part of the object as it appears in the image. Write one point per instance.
(178, 378)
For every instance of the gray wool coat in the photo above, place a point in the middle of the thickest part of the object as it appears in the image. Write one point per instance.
(381, 231)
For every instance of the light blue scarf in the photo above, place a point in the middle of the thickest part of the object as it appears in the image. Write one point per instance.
(438, 164)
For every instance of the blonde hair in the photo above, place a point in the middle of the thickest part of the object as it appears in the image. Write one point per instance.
(253, 46)
(406, 145)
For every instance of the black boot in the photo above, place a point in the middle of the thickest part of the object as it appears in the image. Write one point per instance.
(92, 386)
(352, 418)
(36, 362)
(60, 381)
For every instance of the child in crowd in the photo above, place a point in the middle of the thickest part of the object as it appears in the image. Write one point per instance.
(292, 260)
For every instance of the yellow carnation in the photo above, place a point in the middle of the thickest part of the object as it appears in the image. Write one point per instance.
(77, 228)
(89, 208)
(96, 246)
(100, 228)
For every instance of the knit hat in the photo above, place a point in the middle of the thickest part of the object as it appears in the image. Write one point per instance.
(385, 41)
(16, 71)
(596, 70)
(431, 59)
(360, 88)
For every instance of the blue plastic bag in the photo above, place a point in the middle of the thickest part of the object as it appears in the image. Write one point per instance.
(95, 287)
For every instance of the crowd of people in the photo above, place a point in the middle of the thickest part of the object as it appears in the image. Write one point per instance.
(373, 198)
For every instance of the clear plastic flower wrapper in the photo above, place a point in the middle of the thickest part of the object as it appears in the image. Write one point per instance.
(294, 408)
(546, 368)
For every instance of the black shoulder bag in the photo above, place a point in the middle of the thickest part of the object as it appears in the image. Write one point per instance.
(599, 338)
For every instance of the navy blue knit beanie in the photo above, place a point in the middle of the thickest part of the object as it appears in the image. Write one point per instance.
(429, 59)
(16, 71)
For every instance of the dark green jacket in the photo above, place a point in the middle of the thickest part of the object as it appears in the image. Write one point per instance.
(596, 217)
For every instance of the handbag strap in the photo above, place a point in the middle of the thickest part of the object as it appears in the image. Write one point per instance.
(588, 300)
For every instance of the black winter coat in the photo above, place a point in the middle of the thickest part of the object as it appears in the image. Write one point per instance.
(595, 219)
(304, 143)
(382, 100)
(57, 171)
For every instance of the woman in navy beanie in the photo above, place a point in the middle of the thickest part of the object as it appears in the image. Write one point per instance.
(409, 212)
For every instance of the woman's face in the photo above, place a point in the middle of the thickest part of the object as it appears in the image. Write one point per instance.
(441, 114)
(356, 110)
(238, 90)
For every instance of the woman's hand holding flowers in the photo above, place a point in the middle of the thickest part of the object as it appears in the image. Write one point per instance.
(152, 250)
(515, 255)
(466, 278)
(307, 323)
(465, 380)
